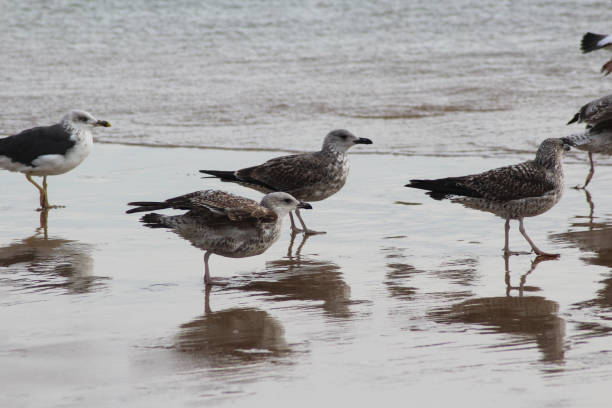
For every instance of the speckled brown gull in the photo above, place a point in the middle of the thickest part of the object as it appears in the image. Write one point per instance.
(593, 42)
(597, 138)
(49, 150)
(310, 176)
(222, 223)
(513, 192)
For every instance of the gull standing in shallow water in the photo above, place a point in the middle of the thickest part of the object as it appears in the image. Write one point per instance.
(310, 176)
(222, 223)
(513, 192)
(593, 42)
(49, 150)
(597, 138)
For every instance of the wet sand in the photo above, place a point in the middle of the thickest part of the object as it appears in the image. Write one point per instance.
(404, 299)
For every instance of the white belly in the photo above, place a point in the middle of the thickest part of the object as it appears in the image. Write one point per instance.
(54, 164)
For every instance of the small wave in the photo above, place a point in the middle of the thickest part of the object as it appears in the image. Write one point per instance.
(419, 111)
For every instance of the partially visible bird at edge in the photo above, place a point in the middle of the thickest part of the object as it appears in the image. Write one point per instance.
(593, 42)
(597, 138)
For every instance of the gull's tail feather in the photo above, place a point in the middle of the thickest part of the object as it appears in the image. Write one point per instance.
(221, 174)
(147, 206)
(443, 188)
(153, 220)
(589, 42)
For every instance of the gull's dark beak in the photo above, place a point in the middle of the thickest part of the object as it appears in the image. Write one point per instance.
(102, 123)
(305, 206)
(567, 143)
(363, 140)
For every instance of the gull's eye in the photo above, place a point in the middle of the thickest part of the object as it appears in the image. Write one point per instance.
(287, 200)
(343, 137)
(82, 118)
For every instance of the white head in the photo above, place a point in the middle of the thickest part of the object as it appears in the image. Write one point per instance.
(81, 119)
(282, 203)
(341, 140)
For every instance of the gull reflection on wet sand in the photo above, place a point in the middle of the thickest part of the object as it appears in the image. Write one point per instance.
(232, 336)
(39, 263)
(527, 318)
(594, 239)
(303, 278)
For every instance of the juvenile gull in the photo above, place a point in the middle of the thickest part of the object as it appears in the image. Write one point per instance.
(49, 150)
(597, 138)
(310, 176)
(222, 223)
(593, 42)
(513, 192)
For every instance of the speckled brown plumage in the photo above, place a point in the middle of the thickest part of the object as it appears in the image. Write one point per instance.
(212, 206)
(312, 176)
(513, 192)
(222, 223)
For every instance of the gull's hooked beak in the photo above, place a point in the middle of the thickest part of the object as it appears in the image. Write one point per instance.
(305, 206)
(363, 140)
(102, 123)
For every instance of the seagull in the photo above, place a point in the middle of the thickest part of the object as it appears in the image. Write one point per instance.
(49, 150)
(513, 192)
(597, 138)
(593, 42)
(222, 223)
(312, 176)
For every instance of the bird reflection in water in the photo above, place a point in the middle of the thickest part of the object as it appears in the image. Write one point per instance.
(302, 278)
(39, 263)
(526, 318)
(594, 239)
(232, 336)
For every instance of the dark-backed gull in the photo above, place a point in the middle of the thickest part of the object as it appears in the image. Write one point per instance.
(593, 42)
(513, 192)
(222, 223)
(49, 150)
(597, 138)
(312, 176)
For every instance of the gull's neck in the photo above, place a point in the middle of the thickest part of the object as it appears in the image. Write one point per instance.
(333, 150)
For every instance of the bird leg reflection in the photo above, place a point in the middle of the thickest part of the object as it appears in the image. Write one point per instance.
(523, 279)
(298, 252)
(44, 217)
(591, 205)
(207, 289)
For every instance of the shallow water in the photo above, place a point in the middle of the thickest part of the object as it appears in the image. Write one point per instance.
(404, 295)
(404, 299)
(444, 78)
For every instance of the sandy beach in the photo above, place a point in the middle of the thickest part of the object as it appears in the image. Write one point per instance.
(403, 294)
